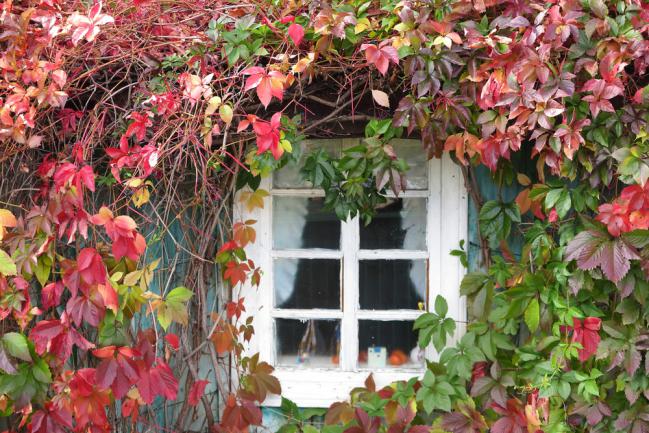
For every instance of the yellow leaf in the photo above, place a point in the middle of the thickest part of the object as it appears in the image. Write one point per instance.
(141, 197)
(226, 113)
(147, 274)
(7, 219)
(362, 25)
(398, 42)
(523, 179)
(286, 145)
(254, 199)
(153, 297)
(212, 105)
(131, 278)
(135, 182)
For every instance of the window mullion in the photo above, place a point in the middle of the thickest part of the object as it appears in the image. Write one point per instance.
(349, 325)
(434, 237)
(266, 325)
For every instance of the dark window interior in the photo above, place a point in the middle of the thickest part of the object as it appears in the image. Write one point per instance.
(384, 285)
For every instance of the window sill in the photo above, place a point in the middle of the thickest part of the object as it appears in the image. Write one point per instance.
(313, 387)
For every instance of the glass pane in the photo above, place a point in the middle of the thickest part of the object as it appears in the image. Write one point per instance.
(415, 155)
(392, 284)
(398, 224)
(388, 344)
(311, 343)
(302, 222)
(307, 283)
(289, 176)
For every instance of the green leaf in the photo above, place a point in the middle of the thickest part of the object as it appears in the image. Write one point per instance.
(308, 428)
(290, 409)
(43, 269)
(472, 282)
(7, 265)
(532, 315)
(564, 204)
(16, 345)
(288, 428)
(441, 307)
(552, 197)
(174, 308)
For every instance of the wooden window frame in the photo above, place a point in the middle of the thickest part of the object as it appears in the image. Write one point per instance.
(447, 225)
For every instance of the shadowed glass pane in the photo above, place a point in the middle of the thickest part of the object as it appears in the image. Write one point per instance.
(311, 343)
(307, 283)
(415, 155)
(388, 344)
(302, 222)
(398, 224)
(289, 176)
(392, 284)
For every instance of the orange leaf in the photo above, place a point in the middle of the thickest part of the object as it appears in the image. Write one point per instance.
(7, 219)
(223, 338)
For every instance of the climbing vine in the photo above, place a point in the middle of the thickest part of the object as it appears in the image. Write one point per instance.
(120, 116)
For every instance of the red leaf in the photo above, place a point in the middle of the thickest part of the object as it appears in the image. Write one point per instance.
(57, 338)
(51, 295)
(365, 423)
(156, 380)
(616, 217)
(238, 416)
(172, 339)
(51, 419)
(118, 370)
(127, 242)
(586, 334)
(196, 392)
(236, 272)
(89, 403)
(512, 419)
(296, 33)
(138, 127)
(235, 308)
(592, 248)
(267, 84)
(380, 56)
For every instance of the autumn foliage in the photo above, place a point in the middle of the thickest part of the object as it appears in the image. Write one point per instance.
(124, 115)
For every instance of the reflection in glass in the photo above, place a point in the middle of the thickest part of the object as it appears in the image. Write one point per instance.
(415, 155)
(392, 284)
(302, 222)
(289, 176)
(311, 343)
(398, 224)
(307, 283)
(388, 344)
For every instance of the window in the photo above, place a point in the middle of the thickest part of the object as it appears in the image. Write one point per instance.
(338, 299)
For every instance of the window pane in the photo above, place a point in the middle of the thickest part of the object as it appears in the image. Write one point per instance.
(307, 283)
(392, 284)
(312, 343)
(289, 176)
(388, 344)
(415, 155)
(302, 222)
(398, 224)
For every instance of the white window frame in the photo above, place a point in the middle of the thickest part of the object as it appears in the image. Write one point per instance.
(447, 225)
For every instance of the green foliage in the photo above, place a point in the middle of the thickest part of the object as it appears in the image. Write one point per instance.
(355, 184)
(435, 326)
(496, 220)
